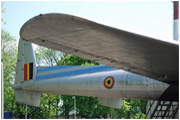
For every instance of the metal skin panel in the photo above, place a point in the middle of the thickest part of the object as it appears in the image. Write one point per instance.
(29, 57)
(20, 63)
(126, 85)
(28, 97)
(106, 45)
(110, 102)
(25, 55)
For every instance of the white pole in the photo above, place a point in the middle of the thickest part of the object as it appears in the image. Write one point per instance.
(176, 20)
(2, 92)
(75, 106)
(74, 97)
(26, 113)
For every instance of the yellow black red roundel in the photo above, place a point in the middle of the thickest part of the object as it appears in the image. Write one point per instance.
(109, 82)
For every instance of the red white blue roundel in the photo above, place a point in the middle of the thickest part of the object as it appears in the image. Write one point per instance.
(109, 82)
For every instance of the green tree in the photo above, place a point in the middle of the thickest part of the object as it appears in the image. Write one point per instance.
(49, 106)
(74, 60)
(47, 57)
(8, 58)
(2, 11)
(131, 109)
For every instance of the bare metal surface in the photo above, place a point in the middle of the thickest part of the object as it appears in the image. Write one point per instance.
(117, 48)
(126, 85)
(24, 56)
(110, 102)
(20, 63)
(28, 97)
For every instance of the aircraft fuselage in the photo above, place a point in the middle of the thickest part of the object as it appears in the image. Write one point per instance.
(110, 84)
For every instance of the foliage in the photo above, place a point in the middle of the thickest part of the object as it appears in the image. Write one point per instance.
(88, 107)
(8, 58)
(47, 57)
(2, 11)
(131, 109)
(74, 60)
(49, 105)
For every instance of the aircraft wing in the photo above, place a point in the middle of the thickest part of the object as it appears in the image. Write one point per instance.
(106, 45)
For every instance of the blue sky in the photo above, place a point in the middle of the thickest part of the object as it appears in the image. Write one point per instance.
(150, 18)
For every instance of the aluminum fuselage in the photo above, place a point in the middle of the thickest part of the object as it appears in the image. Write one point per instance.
(126, 85)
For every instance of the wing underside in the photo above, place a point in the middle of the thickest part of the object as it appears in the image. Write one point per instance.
(113, 47)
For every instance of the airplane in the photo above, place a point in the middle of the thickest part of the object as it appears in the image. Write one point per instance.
(132, 66)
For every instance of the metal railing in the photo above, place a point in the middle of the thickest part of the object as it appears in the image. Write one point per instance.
(162, 109)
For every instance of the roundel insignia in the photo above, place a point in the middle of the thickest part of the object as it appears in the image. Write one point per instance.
(109, 82)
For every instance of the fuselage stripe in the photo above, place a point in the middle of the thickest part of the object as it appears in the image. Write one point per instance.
(54, 68)
(76, 72)
(77, 67)
(25, 72)
(28, 71)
